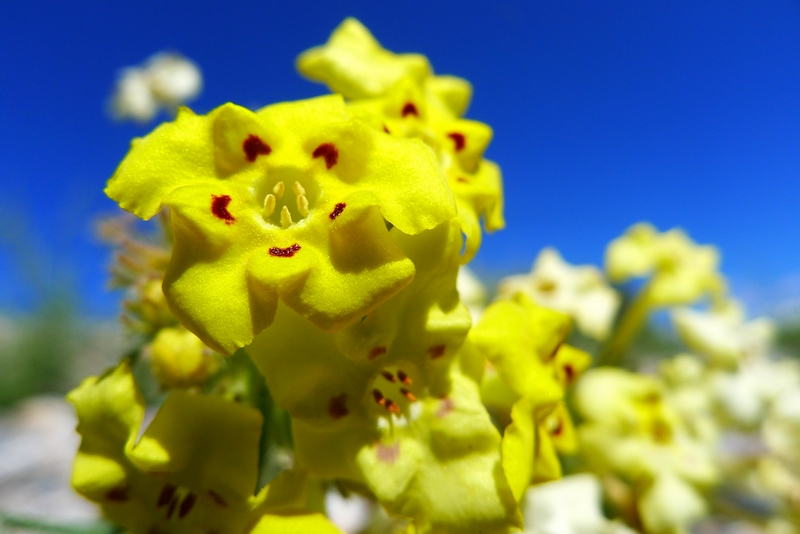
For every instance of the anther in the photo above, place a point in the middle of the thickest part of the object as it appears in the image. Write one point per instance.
(278, 190)
(286, 217)
(392, 407)
(187, 504)
(407, 394)
(269, 205)
(388, 376)
(302, 204)
(378, 396)
(166, 495)
(404, 378)
(298, 189)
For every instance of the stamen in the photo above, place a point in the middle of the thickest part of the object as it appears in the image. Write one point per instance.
(286, 217)
(392, 407)
(302, 205)
(298, 189)
(166, 495)
(171, 509)
(278, 190)
(378, 396)
(404, 378)
(407, 394)
(187, 504)
(388, 376)
(269, 205)
(217, 498)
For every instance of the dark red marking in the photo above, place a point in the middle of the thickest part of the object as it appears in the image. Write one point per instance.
(219, 207)
(377, 351)
(388, 376)
(217, 498)
(253, 146)
(437, 351)
(337, 406)
(337, 210)
(559, 429)
(569, 372)
(462, 180)
(410, 109)
(166, 495)
(404, 378)
(171, 508)
(118, 494)
(385, 129)
(287, 252)
(187, 504)
(327, 151)
(459, 140)
(555, 351)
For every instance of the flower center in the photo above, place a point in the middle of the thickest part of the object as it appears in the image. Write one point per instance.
(394, 391)
(288, 196)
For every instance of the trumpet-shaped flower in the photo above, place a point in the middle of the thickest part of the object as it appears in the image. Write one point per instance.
(287, 203)
(568, 506)
(398, 94)
(580, 292)
(632, 432)
(681, 272)
(193, 470)
(387, 403)
(530, 369)
(722, 335)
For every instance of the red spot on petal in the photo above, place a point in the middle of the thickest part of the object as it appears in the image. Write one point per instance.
(569, 373)
(437, 351)
(219, 207)
(459, 140)
(217, 498)
(327, 151)
(409, 109)
(377, 351)
(118, 494)
(166, 495)
(387, 453)
(462, 180)
(187, 504)
(385, 129)
(287, 252)
(253, 146)
(337, 210)
(337, 406)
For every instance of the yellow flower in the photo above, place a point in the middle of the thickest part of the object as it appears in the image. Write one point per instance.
(631, 431)
(681, 272)
(180, 359)
(193, 470)
(392, 402)
(287, 203)
(400, 95)
(530, 369)
(579, 291)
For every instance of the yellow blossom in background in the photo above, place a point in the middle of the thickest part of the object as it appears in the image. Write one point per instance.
(580, 291)
(180, 359)
(680, 271)
(472, 292)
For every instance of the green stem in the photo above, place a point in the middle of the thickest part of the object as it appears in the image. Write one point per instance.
(627, 328)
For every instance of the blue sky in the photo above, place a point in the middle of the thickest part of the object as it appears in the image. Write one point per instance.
(605, 113)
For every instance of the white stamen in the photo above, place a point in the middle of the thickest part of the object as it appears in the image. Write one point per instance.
(269, 205)
(278, 190)
(302, 204)
(286, 217)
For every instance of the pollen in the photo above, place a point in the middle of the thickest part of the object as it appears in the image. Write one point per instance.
(392, 407)
(389, 376)
(409, 109)
(327, 151)
(407, 394)
(458, 139)
(253, 146)
(404, 378)
(219, 207)
(378, 396)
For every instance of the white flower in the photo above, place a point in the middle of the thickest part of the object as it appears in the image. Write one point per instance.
(722, 335)
(351, 513)
(568, 506)
(670, 505)
(578, 291)
(166, 80)
(472, 292)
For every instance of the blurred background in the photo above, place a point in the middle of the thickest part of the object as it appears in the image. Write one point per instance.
(606, 113)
